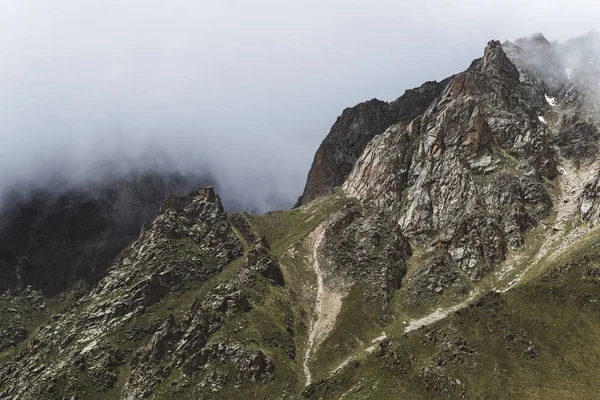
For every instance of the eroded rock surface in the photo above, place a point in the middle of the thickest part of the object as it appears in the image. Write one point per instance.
(459, 174)
(354, 129)
(189, 241)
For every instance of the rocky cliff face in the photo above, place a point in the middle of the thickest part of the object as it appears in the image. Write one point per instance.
(447, 241)
(354, 129)
(469, 172)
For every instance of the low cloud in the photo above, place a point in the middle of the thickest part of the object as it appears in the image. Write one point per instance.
(245, 91)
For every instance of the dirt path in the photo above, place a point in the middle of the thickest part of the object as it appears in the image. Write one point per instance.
(327, 306)
(439, 314)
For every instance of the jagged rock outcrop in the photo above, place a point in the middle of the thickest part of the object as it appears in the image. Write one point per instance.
(51, 240)
(435, 273)
(589, 201)
(185, 344)
(348, 137)
(190, 240)
(517, 204)
(368, 248)
(578, 141)
(260, 262)
(438, 171)
(151, 265)
(240, 222)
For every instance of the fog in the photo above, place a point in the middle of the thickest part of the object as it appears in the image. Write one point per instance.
(243, 90)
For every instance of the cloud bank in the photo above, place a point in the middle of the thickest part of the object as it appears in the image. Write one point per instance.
(243, 90)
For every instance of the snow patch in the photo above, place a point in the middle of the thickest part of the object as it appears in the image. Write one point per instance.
(542, 120)
(550, 100)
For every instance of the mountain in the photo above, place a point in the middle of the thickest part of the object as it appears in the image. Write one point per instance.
(54, 238)
(445, 246)
(354, 129)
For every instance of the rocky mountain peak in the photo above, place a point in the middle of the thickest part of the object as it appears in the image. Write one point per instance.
(538, 61)
(496, 63)
(205, 195)
(431, 173)
(190, 241)
(356, 127)
(338, 152)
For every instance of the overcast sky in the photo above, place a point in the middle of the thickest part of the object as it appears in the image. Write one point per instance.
(248, 88)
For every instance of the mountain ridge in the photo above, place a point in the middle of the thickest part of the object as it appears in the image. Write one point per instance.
(444, 247)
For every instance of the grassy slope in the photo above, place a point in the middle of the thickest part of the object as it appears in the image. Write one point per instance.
(276, 310)
(356, 325)
(556, 312)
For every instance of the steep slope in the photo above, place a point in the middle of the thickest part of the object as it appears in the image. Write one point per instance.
(537, 341)
(354, 129)
(470, 180)
(144, 273)
(468, 174)
(197, 305)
